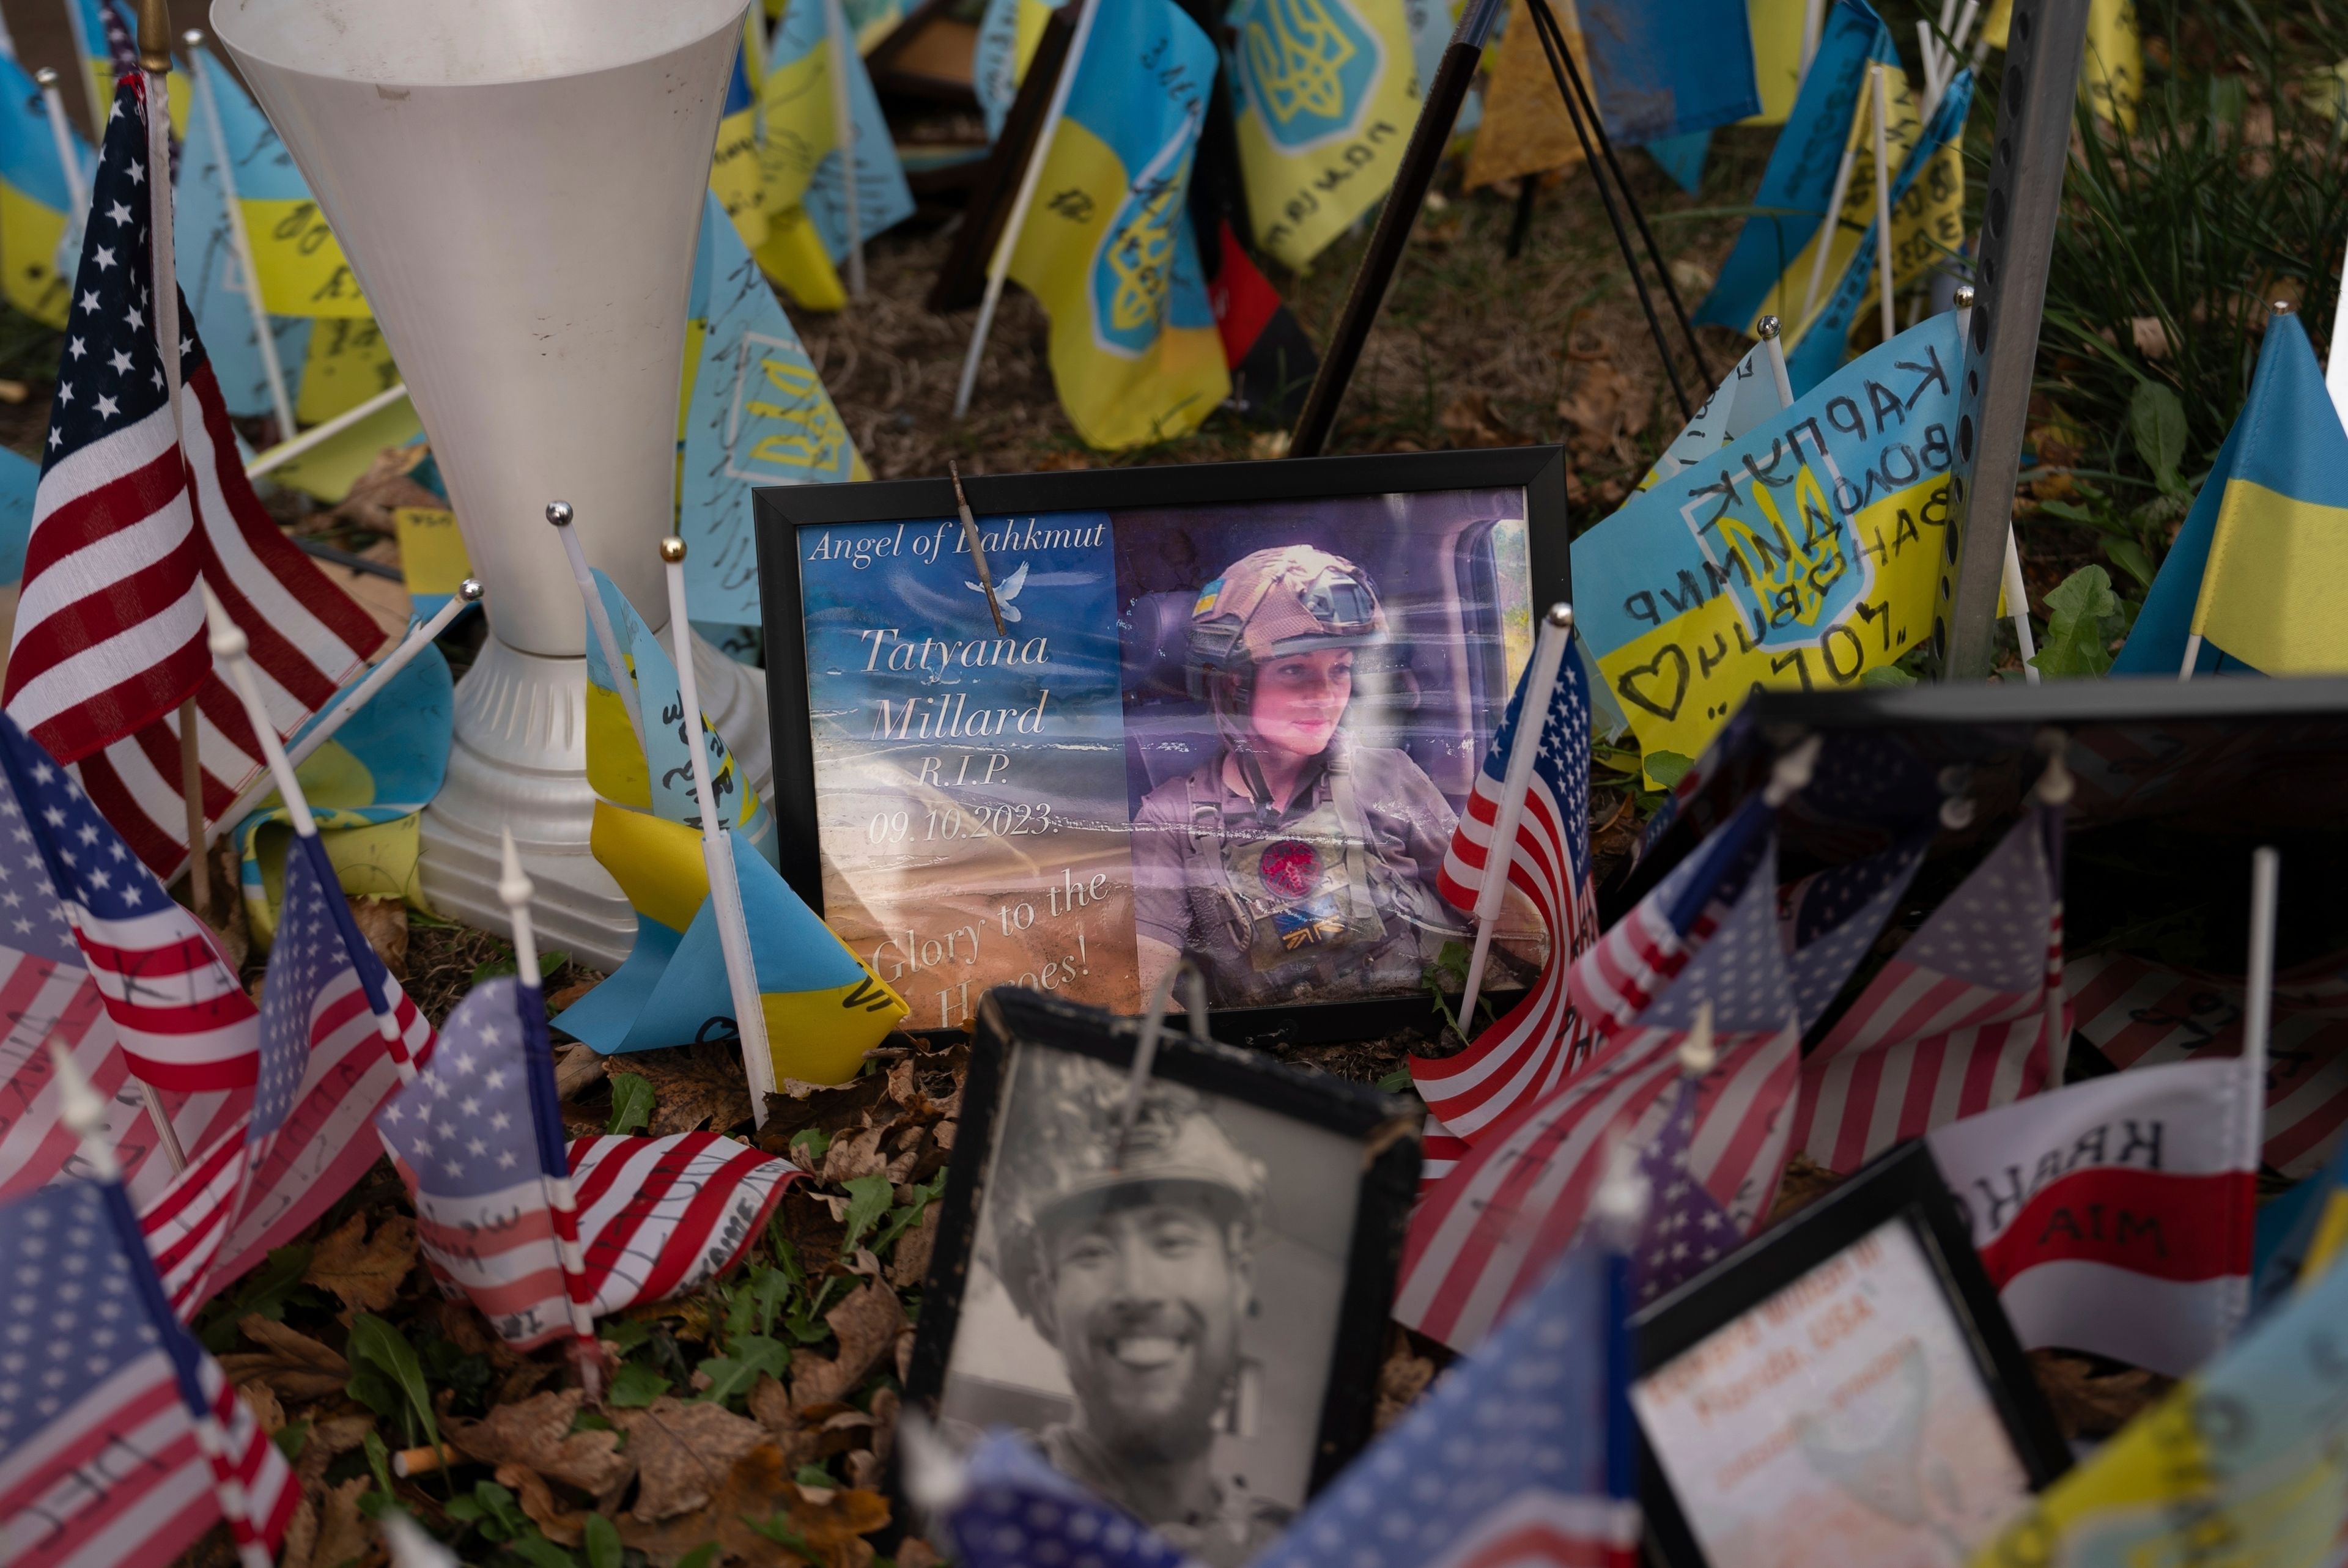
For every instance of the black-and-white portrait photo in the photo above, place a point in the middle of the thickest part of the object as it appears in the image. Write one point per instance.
(1161, 1325)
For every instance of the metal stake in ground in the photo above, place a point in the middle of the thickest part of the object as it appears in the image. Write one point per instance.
(1445, 94)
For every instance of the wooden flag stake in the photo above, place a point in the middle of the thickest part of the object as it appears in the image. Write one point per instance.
(1551, 649)
(84, 1114)
(514, 892)
(717, 855)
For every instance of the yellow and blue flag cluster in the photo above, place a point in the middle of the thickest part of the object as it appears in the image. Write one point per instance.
(801, 162)
(2256, 570)
(1108, 249)
(1802, 554)
(1008, 32)
(823, 1008)
(35, 204)
(1324, 93)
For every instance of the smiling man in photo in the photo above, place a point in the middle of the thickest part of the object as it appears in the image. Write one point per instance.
(1136, 1268)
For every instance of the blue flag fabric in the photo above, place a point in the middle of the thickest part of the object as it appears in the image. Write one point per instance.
(1791, 203)
(1663, 71)
(1019, 1512)
(1681, 158)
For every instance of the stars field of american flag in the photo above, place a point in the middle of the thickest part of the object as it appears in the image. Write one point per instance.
(132, 510)
(1525, 1053)
(1831, 918)
(1503, 1464)
(1016, 1510)
(1489, 1234)
(1685, 1231)
(100, 1461)
(1969, 1014)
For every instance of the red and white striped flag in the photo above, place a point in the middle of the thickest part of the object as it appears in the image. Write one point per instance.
(1528, 1052)
(2139, 1013)
(1968, 1015)
(1492, 1230)
(109, 633)
(659, 1215)
(2117, 1216)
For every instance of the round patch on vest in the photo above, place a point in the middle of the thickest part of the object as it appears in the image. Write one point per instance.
(1290, 867)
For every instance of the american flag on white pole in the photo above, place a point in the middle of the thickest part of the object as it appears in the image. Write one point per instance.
(1524, 1054)
(659, 1215)
(1517, 1201)
(1968, 1015)
(109, 633)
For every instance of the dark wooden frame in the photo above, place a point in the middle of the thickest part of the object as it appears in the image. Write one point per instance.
(781, 510)
(1903, 1185)
(1385, 1127)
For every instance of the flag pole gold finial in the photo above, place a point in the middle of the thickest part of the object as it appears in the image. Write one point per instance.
(155, 37)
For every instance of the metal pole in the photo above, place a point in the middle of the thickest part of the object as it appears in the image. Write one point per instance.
(2017, 242)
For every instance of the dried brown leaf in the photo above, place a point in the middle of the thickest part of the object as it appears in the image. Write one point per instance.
(850, 1158)
(330, 1439)
(866, 1323)
(909, 1265)
(537, 1432)
(1470, 421)
(2091, 1404)
(566, 1525)
(267, 1413)
(1805, 1182)
(693, 1086)
(915, 1553)
(345, 1534)
(904, 1355)
(758, 1487)
(1403, 1376)
(828, 1110)
(808, 1223)
(294, 1365)
(364, 1271)
(384, 923)
(885, 1406)
(300, 1542)
(684, 1451)
(576, 1066)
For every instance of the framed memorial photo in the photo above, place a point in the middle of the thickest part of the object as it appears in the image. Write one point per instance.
(1232, 711)
(1189, 1321)
(1844, 1389)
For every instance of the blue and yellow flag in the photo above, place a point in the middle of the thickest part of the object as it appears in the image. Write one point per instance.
(1775, 28)
(1769, 270)
(368, 787)
(2111, 67)
(35, 204)
(1325, 93)
(1803, 554)
(2257, 569)
(2242, 1464)
(755, 414)
(802, 163)
(734, 168)
(1661, 71)
(871, 21)
(303, 272)
(1107, 247)
(1815, 349)
(1008, 32)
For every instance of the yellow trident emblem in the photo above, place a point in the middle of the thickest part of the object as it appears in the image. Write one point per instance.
(1295, 50)
(1788, 561)
(1140, 259)
(809, 434)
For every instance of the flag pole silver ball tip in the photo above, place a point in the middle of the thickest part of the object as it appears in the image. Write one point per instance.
(1766, 327)
(2282, 307)
(672, 550)
(1561, 617)
(559, 513)
(46, 76)
(470, 590)
(193, 38)
(1964, 296)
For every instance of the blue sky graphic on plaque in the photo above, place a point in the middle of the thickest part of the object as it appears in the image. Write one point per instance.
(972, 783)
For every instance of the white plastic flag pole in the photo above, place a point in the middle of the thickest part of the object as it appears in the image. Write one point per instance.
(2258, 1001)
(514, 892)
(999, 266)
(1771, 331)
(843, 133)
(228, 648)
(1883, 259)
(599, 619)
(1813, 23)
(354, 698)
(2192, 655)
(265, 337)
(284, 452)
(2017, 606)
(2336, 375)
(84, 1114)
(1551, 649)
(717, 855)
(1931, 49)
(1832, 222)
(61, 135)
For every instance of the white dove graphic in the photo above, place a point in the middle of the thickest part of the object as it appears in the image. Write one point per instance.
(1004, 593)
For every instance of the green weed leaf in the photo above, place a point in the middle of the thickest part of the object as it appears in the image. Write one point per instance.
(376, 1343)
(1667, 768)
(636, 1385)
(2157, 420)
(2076, 630)
(631, 1103)
(602, 1542)
(868, 1199)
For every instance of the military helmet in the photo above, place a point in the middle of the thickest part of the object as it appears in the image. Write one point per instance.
(1056, 1161)
(1276, 601)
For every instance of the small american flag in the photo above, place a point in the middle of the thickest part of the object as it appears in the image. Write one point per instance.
(1686, 1230)
(1504, 1464)
(1017, 1512)
(100, 1459)
(1968, 1014)
(1484, 1237)
(109, 632)
(1523, 1055)
(1830, 918)
(659, 1215)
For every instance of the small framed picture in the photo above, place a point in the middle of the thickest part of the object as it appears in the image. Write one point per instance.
(1189, 1319)
(1229, 711)
(1845, 1389)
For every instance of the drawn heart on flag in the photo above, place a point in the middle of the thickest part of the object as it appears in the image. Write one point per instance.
(1666, 708)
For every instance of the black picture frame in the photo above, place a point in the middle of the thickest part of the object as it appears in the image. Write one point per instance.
(1385, 1127)
(781, 510)
(1903, 1185)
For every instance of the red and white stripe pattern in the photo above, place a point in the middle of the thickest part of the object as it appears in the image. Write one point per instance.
(2117, 1216)
(1968, 1015)
(2141, 1014)
(659, 1215)
(1514, 1205)
(1526, 1053)
(1440, 1150)
(307, 638)
(188, 1221)
(254, 1460)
